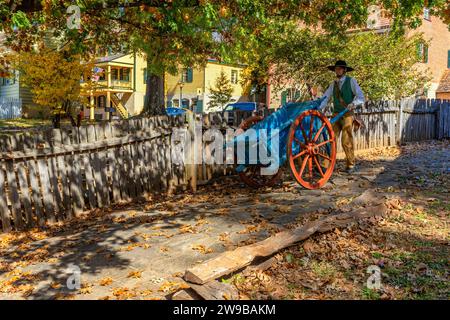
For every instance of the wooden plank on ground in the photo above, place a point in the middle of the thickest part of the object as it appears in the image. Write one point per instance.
(261, 266)
(231, 261)
(215, 290)
(187, 294)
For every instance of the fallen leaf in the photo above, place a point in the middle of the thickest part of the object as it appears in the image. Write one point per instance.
(202, 249)
(105, 281)
(135, 274)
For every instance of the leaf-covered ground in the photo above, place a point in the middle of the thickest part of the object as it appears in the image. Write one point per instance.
(140, 250)
(410, 245)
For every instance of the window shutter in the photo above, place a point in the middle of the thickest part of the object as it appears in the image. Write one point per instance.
(189, 75)
(145, 75)
(425, 53)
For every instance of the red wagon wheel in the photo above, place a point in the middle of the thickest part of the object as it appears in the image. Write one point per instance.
(251, 175)
(312, 139)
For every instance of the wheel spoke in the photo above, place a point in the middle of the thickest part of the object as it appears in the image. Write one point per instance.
(311, 123)
(318, 166)
(303, 132)
(319, 132)
(302, 168)
(323, 143)
(324, 156)
(299, 142)
(310, 167)
(299, 155)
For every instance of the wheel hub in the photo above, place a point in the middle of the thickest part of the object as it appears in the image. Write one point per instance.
(312, 148)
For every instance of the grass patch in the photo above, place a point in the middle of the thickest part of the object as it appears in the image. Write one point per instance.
(377, 255)
(370, 294)
(323, 269)
(23, 123)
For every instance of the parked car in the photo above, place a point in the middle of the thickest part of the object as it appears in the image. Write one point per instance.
(246, 108)
(243, 106)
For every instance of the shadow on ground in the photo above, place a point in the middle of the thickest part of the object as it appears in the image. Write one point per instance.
(164, 237)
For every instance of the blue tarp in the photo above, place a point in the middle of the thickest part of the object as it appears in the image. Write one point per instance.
(280, 120)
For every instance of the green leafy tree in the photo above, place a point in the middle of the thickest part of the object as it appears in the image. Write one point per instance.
(221, 92)
(385, 64)
(186, 32)
(54, 79)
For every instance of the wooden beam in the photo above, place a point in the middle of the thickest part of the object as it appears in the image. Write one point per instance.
(231, 261)
(215, 290)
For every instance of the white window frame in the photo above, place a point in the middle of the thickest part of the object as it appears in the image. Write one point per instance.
(426, 14)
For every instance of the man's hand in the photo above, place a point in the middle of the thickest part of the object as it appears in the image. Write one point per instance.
(351, 107)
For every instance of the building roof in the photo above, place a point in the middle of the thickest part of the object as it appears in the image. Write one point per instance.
(444, 84)
(110, 58)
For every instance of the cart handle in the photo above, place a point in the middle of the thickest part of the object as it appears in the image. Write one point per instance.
(338, 116)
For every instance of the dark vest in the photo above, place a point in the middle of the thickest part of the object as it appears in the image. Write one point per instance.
(346, 94)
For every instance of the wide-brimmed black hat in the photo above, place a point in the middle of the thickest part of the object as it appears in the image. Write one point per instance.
(340, 63)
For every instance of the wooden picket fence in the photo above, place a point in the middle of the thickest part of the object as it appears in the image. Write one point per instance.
(52, 175)
(10, 108)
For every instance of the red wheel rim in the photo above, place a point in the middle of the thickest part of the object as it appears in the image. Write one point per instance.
(251, 176)
(307, 165)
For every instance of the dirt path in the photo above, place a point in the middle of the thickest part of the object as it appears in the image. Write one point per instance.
(139, 251)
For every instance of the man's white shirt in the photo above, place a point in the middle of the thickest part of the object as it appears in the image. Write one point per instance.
(356, 89)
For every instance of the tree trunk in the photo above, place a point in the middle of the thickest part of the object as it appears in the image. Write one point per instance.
(154, 92)
(57, 121)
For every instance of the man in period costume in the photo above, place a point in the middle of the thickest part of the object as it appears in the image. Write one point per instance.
(345, 93)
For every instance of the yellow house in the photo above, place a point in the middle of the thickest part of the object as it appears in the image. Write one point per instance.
(120, 87)
(192, 85)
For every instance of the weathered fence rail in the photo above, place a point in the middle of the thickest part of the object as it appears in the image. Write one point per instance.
(52, 175)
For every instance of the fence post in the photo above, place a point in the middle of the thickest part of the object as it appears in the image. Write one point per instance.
(400, 122)
(441, 119)
(191, 169)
